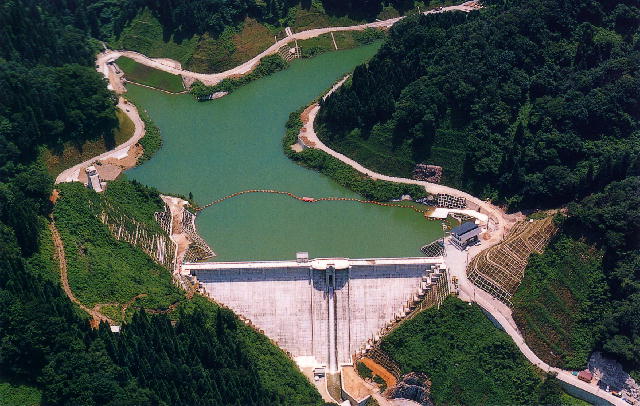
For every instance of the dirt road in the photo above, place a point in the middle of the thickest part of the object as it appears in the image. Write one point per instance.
(64, 280)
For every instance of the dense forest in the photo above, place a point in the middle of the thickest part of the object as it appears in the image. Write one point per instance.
(50, 94)
(526, 102)
(533, 104)
(103, 19)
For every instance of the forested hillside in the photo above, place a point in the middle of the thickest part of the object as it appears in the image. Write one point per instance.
(214, 35)
(583, 292)
(50, 94)
(526, 102)
(534, 104)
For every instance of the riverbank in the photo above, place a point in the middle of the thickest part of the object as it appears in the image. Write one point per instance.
(495, 218)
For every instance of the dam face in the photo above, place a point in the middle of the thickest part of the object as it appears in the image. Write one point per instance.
(324, 308)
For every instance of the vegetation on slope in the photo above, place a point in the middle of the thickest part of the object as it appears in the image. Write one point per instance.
(151, 142)
(344, 40)
(611, 219)
(559, 306)
(100, 268)
(468, 360)
(61, 157)
(206, 36)
(583, 293)
(342, 173)
(144, 33)
(233, 47)
(530, 117)
(137, 72)
(268, 65)
(19, 395)
(209, 357)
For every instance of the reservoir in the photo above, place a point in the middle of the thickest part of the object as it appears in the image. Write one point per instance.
(217, 148)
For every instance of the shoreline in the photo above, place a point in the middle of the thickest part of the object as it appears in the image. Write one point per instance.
(211, 79)
(501, 220)
(117, 84)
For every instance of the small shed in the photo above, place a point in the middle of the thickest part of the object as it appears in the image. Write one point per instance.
(465, 234)
(302, 256)
(585, 375)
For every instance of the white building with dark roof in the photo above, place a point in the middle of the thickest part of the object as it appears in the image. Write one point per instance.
(93, 179)
(465, 234)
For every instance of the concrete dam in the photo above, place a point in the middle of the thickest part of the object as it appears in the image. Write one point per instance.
(323, 311)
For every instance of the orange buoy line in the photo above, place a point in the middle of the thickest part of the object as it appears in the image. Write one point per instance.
(311, 200)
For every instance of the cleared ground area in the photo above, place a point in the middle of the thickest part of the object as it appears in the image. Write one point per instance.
(139, 73)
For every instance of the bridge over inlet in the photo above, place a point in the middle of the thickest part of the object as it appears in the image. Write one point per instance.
(327, 309)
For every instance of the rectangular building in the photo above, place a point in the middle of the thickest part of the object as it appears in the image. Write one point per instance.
(465, 234)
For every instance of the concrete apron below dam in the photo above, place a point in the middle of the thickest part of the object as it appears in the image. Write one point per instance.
(321, 311)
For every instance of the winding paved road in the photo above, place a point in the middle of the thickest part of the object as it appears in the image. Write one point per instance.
(457, 265)
(457, 260)
(213, 78)
(72, 174)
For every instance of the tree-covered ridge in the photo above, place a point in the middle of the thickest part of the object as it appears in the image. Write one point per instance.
(530, 102)
(49, 91)
(50, 94)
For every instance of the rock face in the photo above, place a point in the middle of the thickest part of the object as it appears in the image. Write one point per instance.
(414, 386)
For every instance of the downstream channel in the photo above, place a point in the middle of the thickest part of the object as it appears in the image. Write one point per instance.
(217, 148)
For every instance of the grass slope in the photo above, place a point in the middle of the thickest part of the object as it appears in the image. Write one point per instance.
(468, 360)
(559, 304)
(145, 75)
(232, 48)
(102, 269)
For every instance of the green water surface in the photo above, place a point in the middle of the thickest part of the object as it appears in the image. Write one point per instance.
(217, 148)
